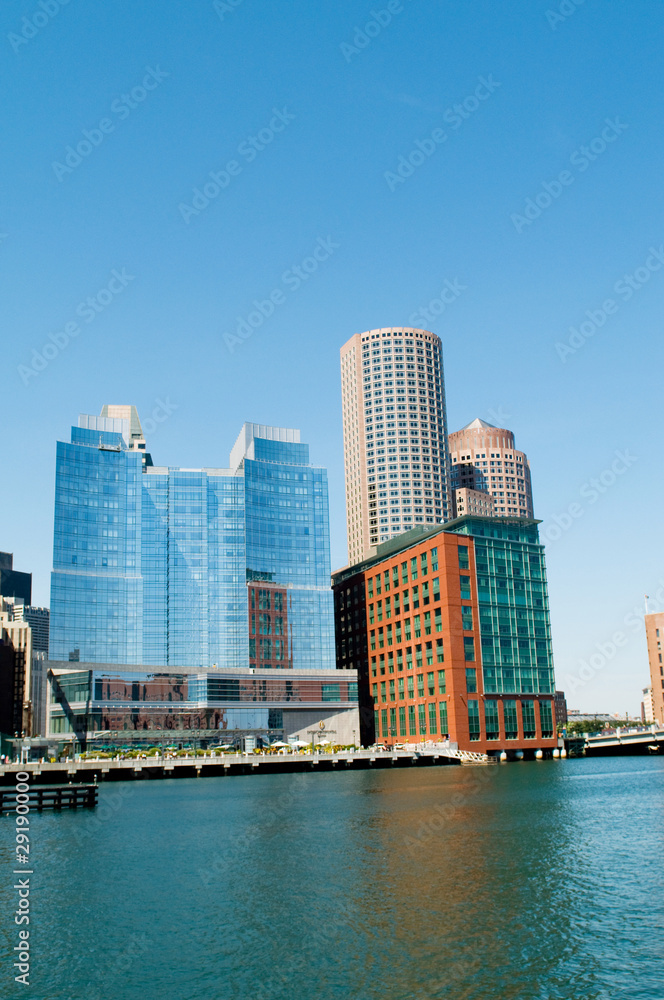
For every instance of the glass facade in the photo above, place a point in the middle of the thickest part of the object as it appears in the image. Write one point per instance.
(288, 545)
(153, 564)
(515, 631)
(98, 701)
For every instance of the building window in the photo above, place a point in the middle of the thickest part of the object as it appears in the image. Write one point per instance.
(471, 680)
(433, 728)
(440, 658)
(402, 720)
(420, 685)
(400, 688)
(413, 568)
(424, 569)
(469, 648)
(509, 712)
(422, 719)
(383, 716)
(528, 719)
(442, 712)
(466, 617)
(430, 684)
(412, 728)
(546, 719)
(442, 687)
(491, 723)
(404, 572)
(474, 719)
(411, 687)
(464, 582)
(463, 557)
(439, 619)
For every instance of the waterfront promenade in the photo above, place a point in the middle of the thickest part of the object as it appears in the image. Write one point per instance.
(155, 767)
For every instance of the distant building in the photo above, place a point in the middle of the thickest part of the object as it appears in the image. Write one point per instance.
(37, 619)
(647, 706)
(16, 664)
(654, 639)
(475, 503)
(560, 705)
(12, 583)
(455, 639)
(483, 458)
(395, 434)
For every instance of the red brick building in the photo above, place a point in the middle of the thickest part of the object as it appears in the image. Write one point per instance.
(449, 630)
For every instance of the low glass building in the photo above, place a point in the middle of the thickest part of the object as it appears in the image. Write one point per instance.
(173, 567)
(103, 702)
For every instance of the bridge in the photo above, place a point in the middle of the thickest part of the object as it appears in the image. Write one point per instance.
(626, 742)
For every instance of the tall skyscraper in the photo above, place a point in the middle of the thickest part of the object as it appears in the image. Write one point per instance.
(155, 564)
(483, 458)
(395, 435)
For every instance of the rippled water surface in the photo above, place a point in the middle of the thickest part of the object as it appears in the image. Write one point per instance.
(525, 881)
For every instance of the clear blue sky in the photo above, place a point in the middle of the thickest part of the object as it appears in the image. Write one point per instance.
(350, 106)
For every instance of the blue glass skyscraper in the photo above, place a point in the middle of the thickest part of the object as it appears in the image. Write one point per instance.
(181, 567)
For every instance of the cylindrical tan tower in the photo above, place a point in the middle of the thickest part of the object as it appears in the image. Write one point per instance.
(395, 435)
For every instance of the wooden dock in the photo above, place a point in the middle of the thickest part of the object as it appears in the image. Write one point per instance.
(52, 797)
